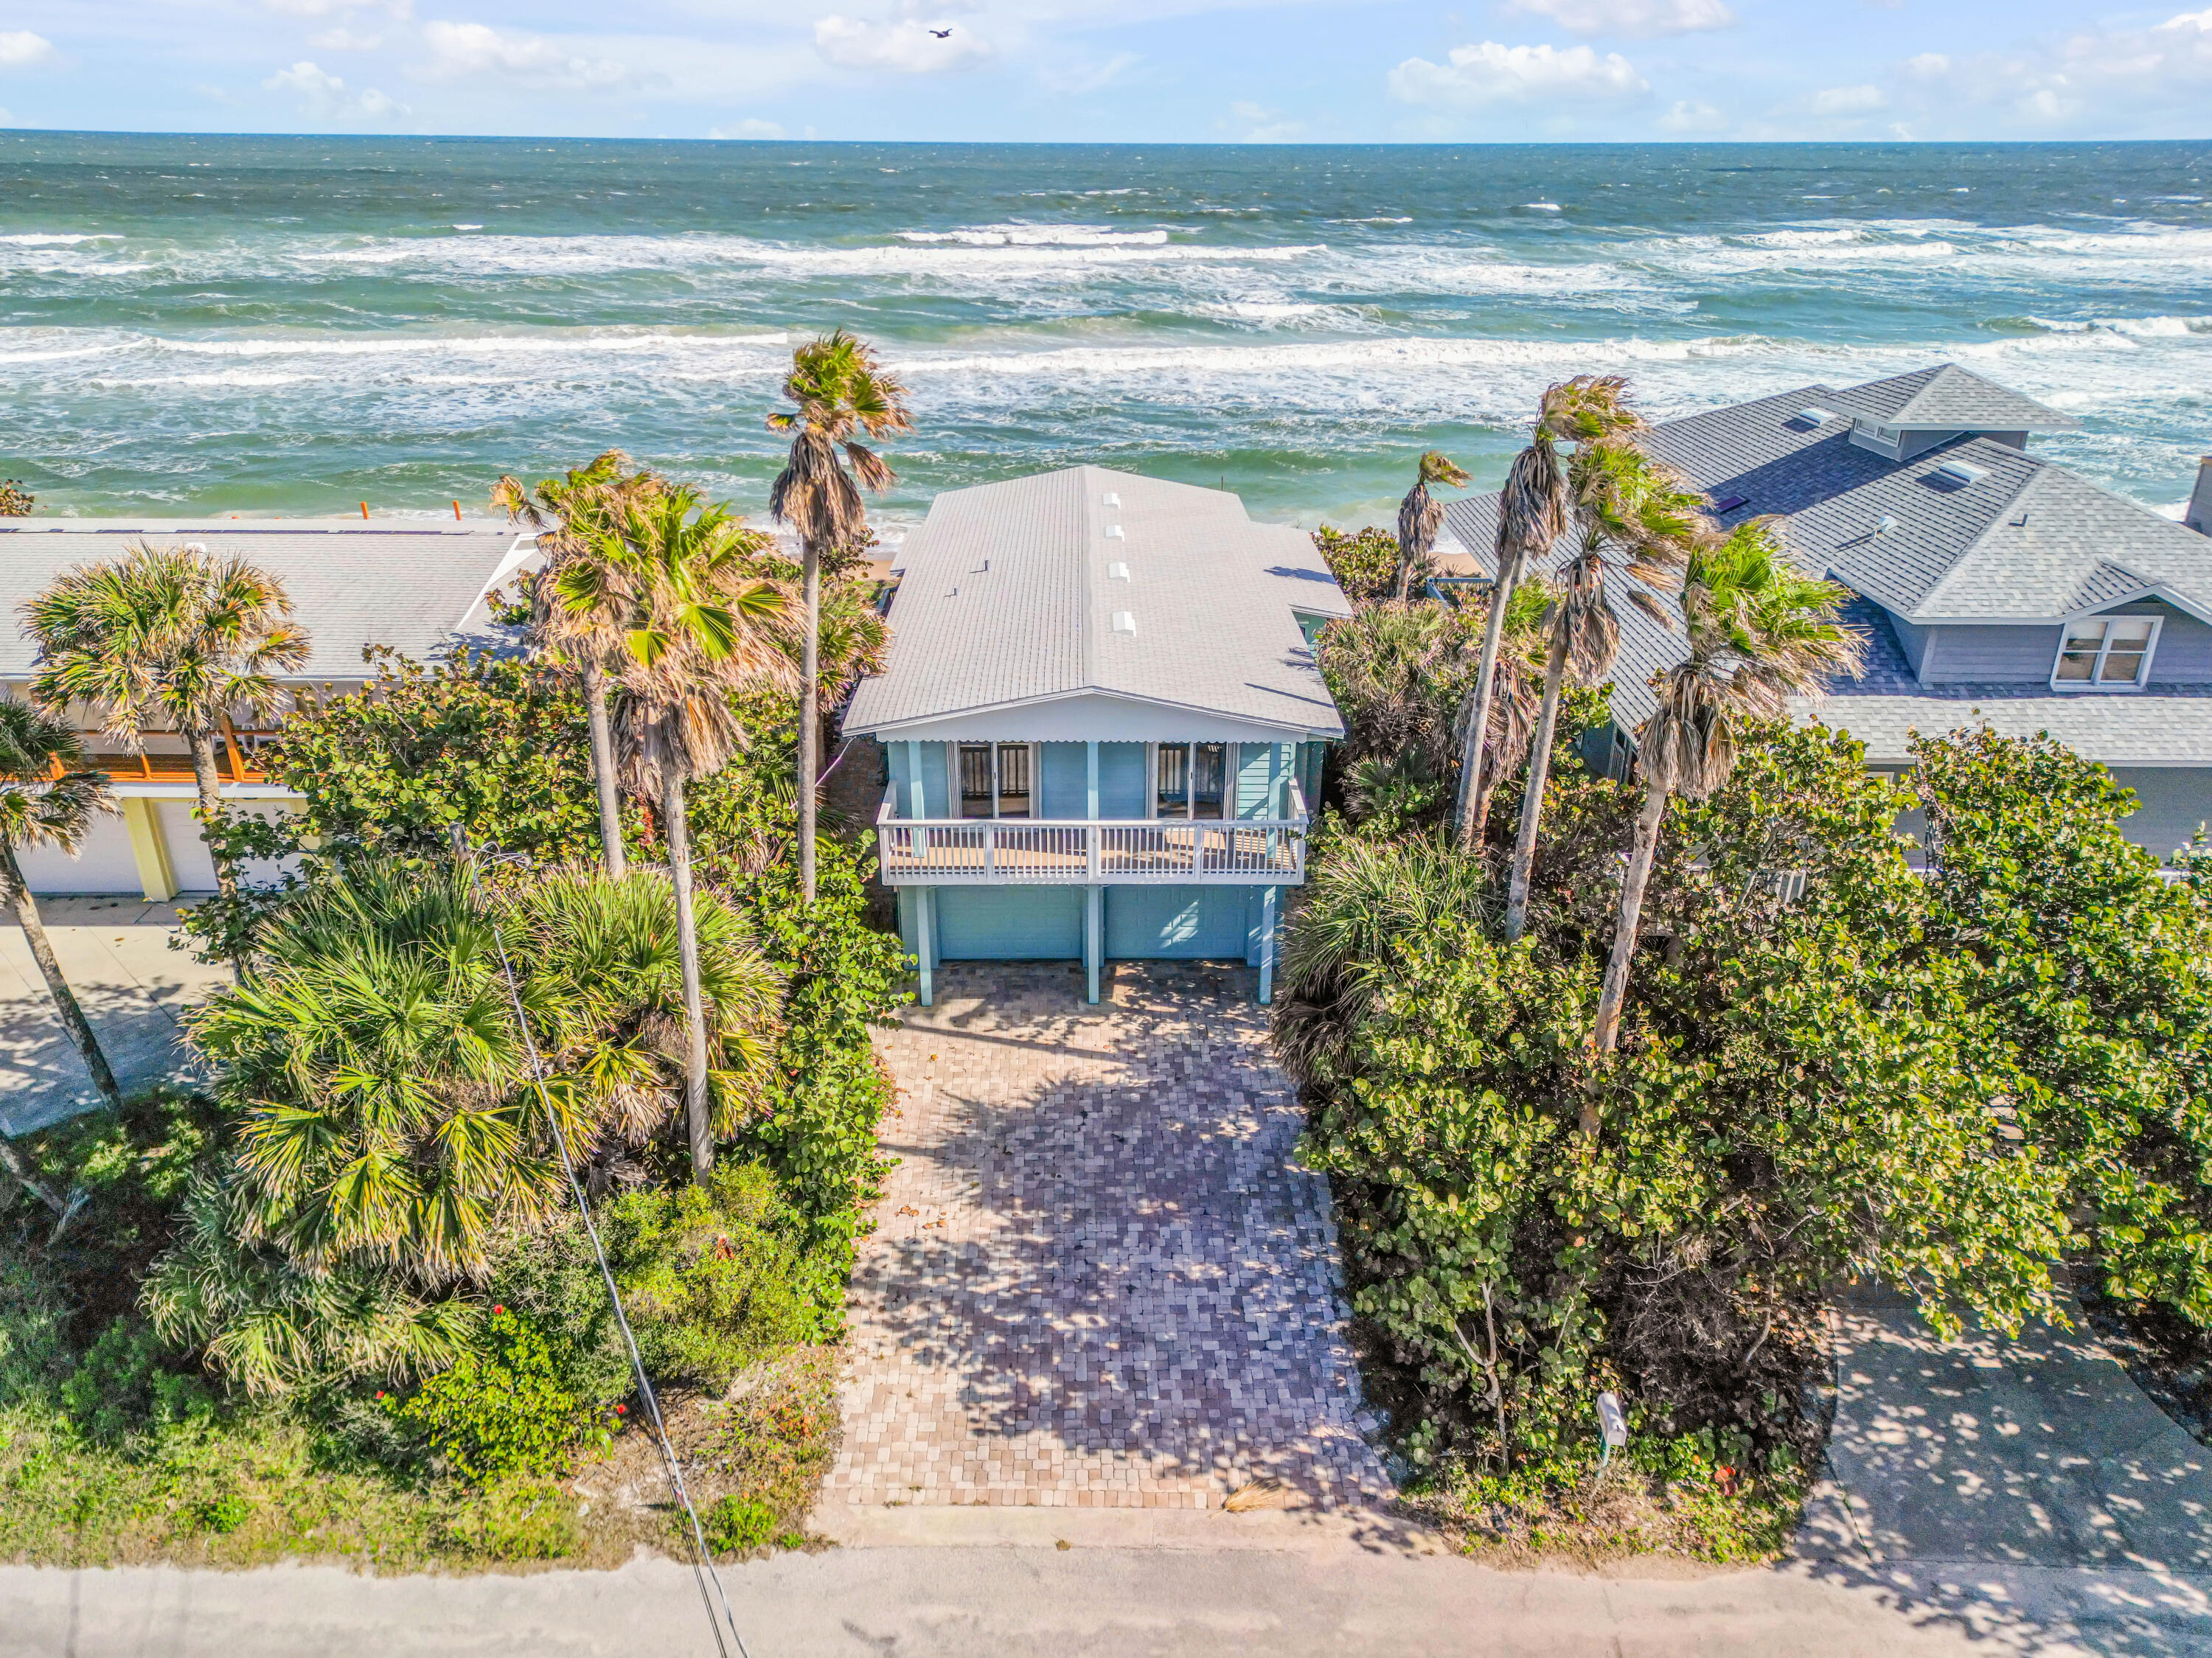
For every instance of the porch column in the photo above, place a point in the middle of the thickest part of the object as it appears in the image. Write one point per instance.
(925, 929)
(1094, 935)
(143, 819)
(1268, 899)
(1093, 761)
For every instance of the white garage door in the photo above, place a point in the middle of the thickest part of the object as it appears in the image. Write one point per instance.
(104, 862)
(193, 864)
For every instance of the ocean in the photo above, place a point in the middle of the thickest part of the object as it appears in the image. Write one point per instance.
(295, 326)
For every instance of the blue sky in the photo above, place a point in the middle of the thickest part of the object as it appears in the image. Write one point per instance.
(1149, 71)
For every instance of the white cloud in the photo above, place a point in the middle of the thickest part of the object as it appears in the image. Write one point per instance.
(324, 93)
(907, 47)
(1494, 73)
(459, 50)
(1262, 125)
(1638, 18)
(20, 49)
(748, 128)
(2112, 81)
(1848, 101)
(1689, 116)
(1075, 80)
(344, 39)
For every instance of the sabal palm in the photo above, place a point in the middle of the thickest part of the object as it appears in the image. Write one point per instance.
(1532, 515)
(174, 635)
(1631, 517)
(1515, 698)
(583, 596)
(708, 629)
(1759, 633)
(840, 389)
(386, 1122)
(49, 796)
(1420, 515)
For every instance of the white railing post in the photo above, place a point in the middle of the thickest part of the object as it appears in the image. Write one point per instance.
(990, 850)
(1094, 836)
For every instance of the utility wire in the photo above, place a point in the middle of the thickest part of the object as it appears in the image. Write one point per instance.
(702, 1568)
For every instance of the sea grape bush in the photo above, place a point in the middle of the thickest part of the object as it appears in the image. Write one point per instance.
(1925, 1081)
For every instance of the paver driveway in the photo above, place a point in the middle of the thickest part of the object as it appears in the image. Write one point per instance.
(1097, 1281)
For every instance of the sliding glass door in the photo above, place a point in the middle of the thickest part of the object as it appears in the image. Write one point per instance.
(995, 779)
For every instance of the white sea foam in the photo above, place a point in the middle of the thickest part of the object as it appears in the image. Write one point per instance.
(1026, 236)
(1543, 207)
(53, 238)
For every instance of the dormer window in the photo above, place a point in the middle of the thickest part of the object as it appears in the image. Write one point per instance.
(2105, 652)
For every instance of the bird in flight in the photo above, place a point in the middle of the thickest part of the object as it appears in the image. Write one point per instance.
(942, 34)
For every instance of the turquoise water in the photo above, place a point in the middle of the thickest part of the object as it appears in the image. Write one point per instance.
(294, 326)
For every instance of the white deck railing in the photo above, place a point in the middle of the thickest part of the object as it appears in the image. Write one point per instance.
(986, 852)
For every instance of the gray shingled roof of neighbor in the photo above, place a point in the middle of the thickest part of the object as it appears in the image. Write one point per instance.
(1886, 704)
(1948, 399)
(1004, 600)
(352, 584)
(2023, 539)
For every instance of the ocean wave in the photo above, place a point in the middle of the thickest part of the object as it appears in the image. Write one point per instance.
(55, 238)
(1024, 235)
(2147, 327)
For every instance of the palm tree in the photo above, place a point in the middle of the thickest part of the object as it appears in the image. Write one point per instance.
(1625, 507)
(840, 389)
(582, 598)
(1516, 678)
(709, 629)
(1420, 515)
(1532, 515)
(1759, 633)
(172, 633)
(48, 796)
(387, 1123)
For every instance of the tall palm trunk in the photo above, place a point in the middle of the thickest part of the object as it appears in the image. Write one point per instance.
(1473, 806)
(1532, 803)
(697, 1119)
(603, 769)
(1606, 1034)
(201, 741)
(810, 668)
(42, 953)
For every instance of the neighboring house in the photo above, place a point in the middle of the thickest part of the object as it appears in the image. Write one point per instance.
(1102, 723)
(352, 584)
(1994, 587)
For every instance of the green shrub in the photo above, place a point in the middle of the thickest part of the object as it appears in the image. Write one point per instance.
(735, 1524)
(225, 1514)
(34, 1355)
(503, 1409)
(1364, 561)
(715, 1280)
(127, 1384)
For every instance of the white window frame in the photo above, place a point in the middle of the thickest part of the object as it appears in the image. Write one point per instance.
(2096, 682)
(1229, 757)
(1037, 781)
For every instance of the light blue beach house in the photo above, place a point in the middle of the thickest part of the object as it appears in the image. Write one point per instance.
(1102, 721)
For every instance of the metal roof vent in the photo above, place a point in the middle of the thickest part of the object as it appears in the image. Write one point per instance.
(1813, 415)
(1962, 472)
(1113, 500)
(1117, 573)
(1125, 621)
(1113, 532)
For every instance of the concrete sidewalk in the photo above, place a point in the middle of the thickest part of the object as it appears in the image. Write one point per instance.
(115, 953)
(2025, 1488)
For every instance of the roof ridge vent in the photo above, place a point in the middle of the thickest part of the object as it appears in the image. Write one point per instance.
(1125, 621)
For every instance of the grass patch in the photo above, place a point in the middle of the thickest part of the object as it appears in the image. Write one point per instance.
(1657, 1498)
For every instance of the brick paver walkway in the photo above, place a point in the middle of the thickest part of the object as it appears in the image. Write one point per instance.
(1097, 1281)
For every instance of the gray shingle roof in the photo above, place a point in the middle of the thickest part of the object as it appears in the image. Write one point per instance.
(2025, 540)
(1004, 598)
(1948, 399)
(351, 584)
